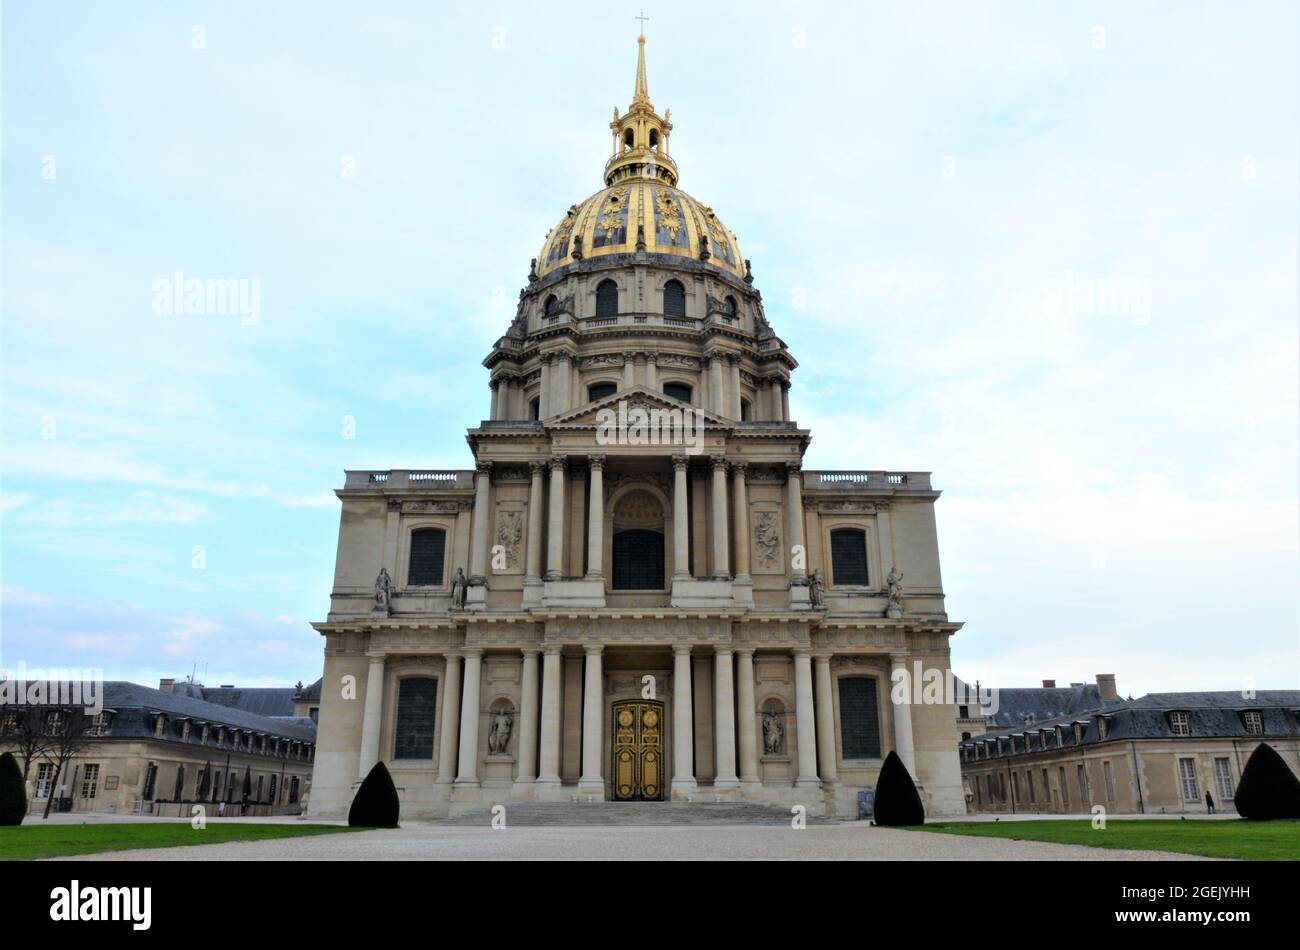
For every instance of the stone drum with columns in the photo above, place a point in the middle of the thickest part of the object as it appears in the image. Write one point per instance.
(598, 611)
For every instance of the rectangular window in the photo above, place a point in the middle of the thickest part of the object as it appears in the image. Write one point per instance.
(1029, 784)
(1015, 786)
(1065, 789)
(44, 776)
(860, 717)
(1084, 797)
(99, 727)
(90, 781)
(1047, 789)
(1109, 775)
(271, 795)
(1223, 773)
(428, 547)
(416, 708)
(1180, 723)
(1187, 774)
(1254, 722)
(849, 558)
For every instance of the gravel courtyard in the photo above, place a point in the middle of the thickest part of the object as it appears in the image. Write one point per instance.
(449, 842)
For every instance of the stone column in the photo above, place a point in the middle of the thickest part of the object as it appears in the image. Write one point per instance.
(482, 521)
(560, 400)
(805, 721)
(372, 714)
(746, 725)
(555, 534)
(552, 664)
(715, 383)
(825, 722)
(721, 569)
(593, 724)
(785, 400)
(450, 721)
(740, 522)
(629, 370)
(596, 520)
(794, 519)
(724, 720)
(528, 717)
(544, 389)
(681, 520)
(533, 563)
(496, 399)
(734, 362)
(903, 715)
(683, 725)
(467, 771)
(652, 371)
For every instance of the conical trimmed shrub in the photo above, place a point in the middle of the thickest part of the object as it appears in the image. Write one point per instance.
(375, 805)
(1268, 788)
(13, 796)
(897, 801)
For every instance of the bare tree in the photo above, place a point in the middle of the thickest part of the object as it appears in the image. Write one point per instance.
(23, 731)
(68, 730)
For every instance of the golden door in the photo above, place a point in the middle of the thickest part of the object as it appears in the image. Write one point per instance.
(638, 751)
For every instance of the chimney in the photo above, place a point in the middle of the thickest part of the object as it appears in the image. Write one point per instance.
(1049, 684)
(166, 685)
(1106, 686)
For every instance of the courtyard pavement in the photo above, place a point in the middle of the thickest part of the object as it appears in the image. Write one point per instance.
(443, 842)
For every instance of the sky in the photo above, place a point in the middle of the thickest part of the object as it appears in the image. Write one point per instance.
(1047, 252)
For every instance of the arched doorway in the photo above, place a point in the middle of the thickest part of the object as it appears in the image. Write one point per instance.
(638, 774)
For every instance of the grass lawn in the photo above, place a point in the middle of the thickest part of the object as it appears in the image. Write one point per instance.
(29, 841)
(1247, 840)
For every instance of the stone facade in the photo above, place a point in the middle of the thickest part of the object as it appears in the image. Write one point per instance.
(680, 609)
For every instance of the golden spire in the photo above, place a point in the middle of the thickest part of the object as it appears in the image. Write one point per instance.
(642, 93)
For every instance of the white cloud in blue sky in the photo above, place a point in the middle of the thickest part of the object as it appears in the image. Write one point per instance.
(1120, 492)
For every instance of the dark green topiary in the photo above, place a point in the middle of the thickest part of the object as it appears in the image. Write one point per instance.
(1268, 788)
(13, 796)
(375, 805)
(897, 801)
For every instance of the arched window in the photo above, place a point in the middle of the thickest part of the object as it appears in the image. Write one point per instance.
(552, 305)
(729, 307)
(600, 391)
(428, 549)
(859, 718)
(674, 299)
(744, 410)
(678, 391)
(535, 409)
(606, 298)
(654, 139)
(849, 557)
(638, 549)
(417, 703)
(627, 139)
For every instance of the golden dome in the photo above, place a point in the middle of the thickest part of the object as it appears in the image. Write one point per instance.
(640, 214)
(640, 208)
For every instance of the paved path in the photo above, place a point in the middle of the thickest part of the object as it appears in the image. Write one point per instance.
(447, 842)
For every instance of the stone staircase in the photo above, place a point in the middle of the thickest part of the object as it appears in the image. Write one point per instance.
(536, 814)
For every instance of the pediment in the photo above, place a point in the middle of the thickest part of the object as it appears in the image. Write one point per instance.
(593, 413)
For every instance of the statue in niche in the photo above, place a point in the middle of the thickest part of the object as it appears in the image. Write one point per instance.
(502, 722)
(895, 581)
(773, 734)
(816, 585)
(383, 590)
(458, 590)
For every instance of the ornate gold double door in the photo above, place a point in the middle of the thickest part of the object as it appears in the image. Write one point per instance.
(638, 751)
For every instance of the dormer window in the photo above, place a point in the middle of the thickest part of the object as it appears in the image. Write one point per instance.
(1078, 733)
(100, 724)
(160, 724)
(1253, 720)
(1180, 723)
(1058, 736)
(1103, 727)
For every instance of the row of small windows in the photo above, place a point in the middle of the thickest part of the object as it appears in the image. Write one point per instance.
(607, 301)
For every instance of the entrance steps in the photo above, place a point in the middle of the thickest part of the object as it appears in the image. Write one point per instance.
(534, 814)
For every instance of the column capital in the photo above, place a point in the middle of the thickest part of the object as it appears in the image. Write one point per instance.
(629, 356)
(718, 462)
(593, 649)
(723, 650)
(545, 358)
(452, 656)
(743, 651)
(652, 357)
(738, 469)
(823, 659)
(802, 652)
(376, 656)
(563, 356)
(553, 649)
(682, 649)
(558, 461)
(494, 382)
(537, 468)
(472, 653)
(530, 650)
(596, 461)
(793, 469)
(482, 468)
(680, 462)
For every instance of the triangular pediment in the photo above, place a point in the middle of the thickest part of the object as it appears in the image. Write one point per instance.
(638, 397)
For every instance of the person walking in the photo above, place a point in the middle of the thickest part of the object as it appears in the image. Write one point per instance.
(1209, 802)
